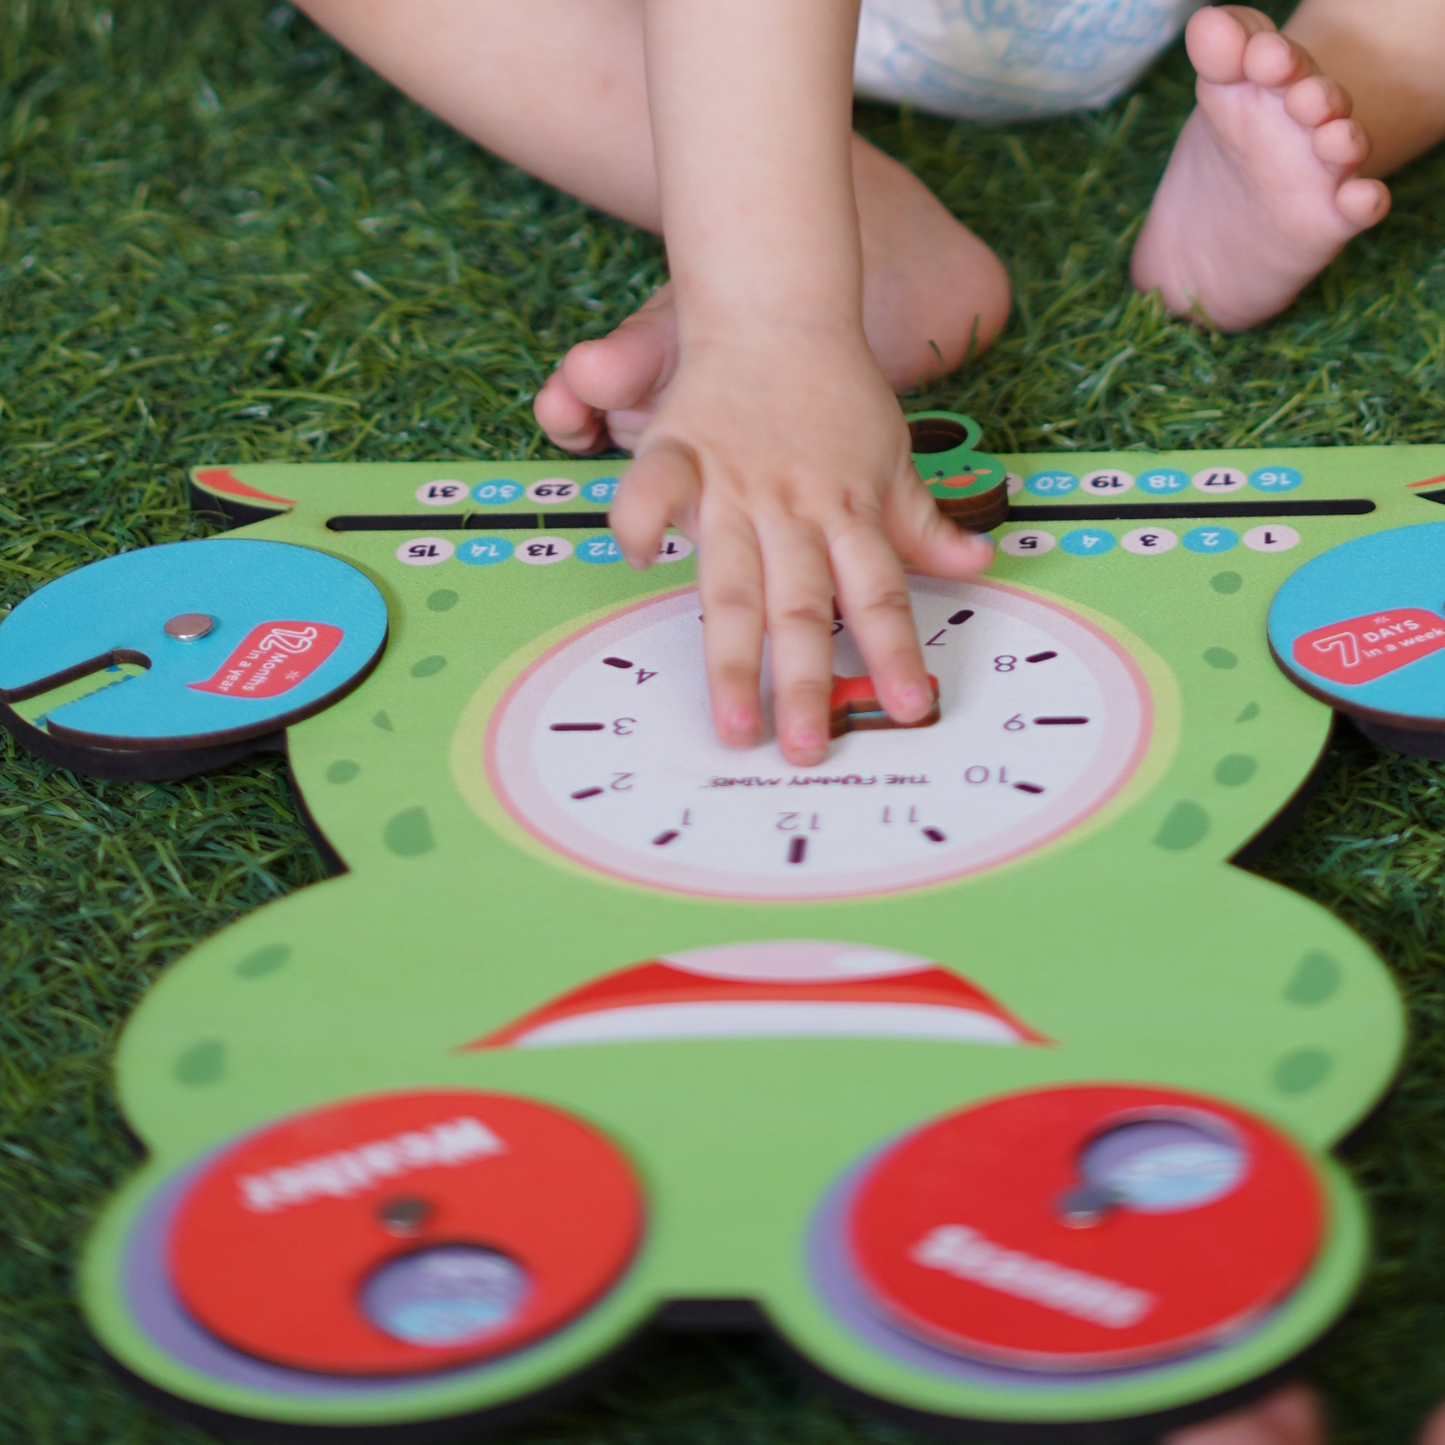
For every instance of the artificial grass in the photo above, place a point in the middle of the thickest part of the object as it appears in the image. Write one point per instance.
(221, 240)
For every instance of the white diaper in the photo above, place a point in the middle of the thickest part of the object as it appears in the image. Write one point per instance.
(1010, 59)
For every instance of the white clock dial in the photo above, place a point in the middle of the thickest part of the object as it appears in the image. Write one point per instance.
(604, 750)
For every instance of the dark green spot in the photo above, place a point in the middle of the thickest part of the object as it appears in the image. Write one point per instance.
(202, 1063)
(428, 665)
(409, 833)
(1235, 769)
(1302, 1070)
(1316, 978)
(1251, 711)
(443, 600)
(343, 770)
(263, 961)
(1186, 824)
(1226, 582)
(382, 721)
(1220, 657)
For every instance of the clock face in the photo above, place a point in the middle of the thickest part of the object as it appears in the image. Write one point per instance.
(603, 748)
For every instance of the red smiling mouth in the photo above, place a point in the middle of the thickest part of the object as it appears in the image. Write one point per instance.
(785, 989)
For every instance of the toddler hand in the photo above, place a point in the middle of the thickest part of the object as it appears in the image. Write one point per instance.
(783, 455)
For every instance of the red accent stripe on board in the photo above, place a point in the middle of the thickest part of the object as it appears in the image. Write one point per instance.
(219, 479)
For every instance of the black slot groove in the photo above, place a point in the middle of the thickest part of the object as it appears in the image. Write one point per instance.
(1205, 511)
(574, 519)
(397, 522)
(423, 522)
(503, 522)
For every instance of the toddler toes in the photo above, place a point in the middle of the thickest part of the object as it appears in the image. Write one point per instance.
(1215, 38)
(1364, 203)
(1342, 143)
(616, 371)
(1275, 61)
(1317, 99)
(568, 421)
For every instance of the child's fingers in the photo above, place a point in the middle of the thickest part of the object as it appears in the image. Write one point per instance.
(926, 540)
(730, 581)
(658, 490)
(873, 597)
(798, 596)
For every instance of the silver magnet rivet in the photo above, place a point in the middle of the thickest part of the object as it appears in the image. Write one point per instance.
(403, 1216)
(1086, 1206)
(189, 626)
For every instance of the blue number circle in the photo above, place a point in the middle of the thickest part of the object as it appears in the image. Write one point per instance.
(483, 551)
(603, 489)
(1163, 480)
(1051, 484)
(599, 549)
(496, 493)
(1275, 479)
(1087, 542)
(1210, 539)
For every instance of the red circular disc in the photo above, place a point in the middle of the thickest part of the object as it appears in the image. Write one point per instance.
(988, 1233)
(283, 1242)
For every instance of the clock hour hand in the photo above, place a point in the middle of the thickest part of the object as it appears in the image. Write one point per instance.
(854, 707)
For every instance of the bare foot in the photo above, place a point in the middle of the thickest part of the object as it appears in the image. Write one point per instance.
(1261, 191)
(932, 293)
(1291, 1416)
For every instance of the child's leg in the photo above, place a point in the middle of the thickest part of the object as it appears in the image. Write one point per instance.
(1266, 183)
(554, 86)
(557, 87)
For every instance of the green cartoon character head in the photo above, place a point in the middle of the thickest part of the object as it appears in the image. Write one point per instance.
(964, 1061)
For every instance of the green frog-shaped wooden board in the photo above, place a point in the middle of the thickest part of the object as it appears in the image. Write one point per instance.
(964, 1062)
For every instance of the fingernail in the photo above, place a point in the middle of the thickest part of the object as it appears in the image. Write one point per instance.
(809, 745)
(912, 699)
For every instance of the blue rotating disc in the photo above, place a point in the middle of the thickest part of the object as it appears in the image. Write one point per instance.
(1362, 627)
(237, 639)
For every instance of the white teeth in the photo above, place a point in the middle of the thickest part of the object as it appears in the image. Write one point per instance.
(796, 961)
